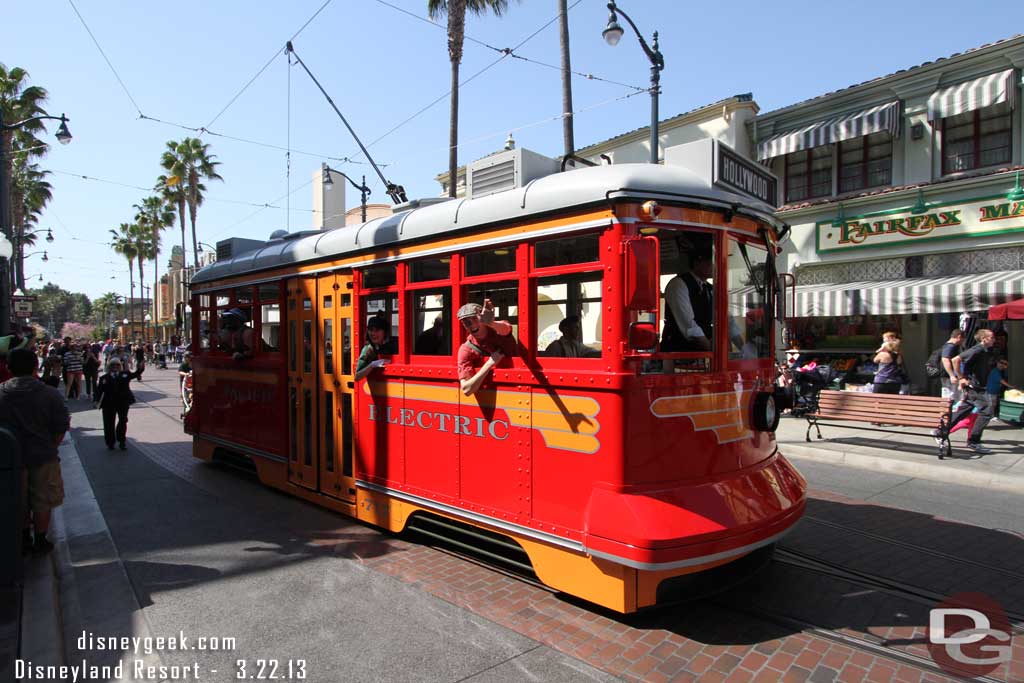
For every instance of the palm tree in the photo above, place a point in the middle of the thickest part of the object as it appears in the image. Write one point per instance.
(19, 101)
(155, 216)
(456, 11)
(188, 163)
(125, 243)
(30, 194)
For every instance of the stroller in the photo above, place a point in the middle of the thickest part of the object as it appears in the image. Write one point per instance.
(806, 386)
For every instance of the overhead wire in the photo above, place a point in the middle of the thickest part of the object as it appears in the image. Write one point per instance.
(505, 52)
(105, 58)
(265, 66)
(82, 176)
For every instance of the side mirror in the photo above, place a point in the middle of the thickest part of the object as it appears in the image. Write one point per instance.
(643, 337)
(642, 274)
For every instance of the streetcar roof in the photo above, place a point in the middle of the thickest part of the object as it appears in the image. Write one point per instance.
(556, 192)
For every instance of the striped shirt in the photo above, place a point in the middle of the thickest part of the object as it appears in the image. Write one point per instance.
(73, 361)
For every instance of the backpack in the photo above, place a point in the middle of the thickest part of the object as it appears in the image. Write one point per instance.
(933, 366)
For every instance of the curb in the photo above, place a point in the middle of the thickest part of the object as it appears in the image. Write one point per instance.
(917, 470)
(76, 615)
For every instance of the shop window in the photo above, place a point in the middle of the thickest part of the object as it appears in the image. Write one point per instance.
(750, 296)
(566, 251)
(385, 275)
(976, 139)
(569, 316)
(500, 260)
(429, 270)
(865, 162)
(809, 174)
(505, 297)
(432, 314)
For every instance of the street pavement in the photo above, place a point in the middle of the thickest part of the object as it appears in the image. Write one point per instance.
(153, 543)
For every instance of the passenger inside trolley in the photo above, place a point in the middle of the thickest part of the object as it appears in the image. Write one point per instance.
(380, 344)
(569, 344)
(236, 336)
(488, 343)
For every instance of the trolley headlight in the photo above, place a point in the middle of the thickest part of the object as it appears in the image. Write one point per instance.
(766, 414)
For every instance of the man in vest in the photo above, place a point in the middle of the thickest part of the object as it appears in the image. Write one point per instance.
(487, 343)
(689, 305)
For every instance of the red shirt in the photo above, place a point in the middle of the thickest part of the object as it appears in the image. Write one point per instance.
(470, 359)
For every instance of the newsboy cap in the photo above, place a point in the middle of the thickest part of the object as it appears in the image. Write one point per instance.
(470, 310)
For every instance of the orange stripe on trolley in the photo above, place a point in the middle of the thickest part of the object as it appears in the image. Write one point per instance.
(724, 414)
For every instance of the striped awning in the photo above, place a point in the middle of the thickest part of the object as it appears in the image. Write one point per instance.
(981, 92)
(884, 117)
(957, 294)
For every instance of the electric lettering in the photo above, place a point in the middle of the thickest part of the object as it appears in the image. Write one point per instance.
(442, 422)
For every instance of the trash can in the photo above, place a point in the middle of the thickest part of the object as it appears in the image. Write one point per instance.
(11, 514)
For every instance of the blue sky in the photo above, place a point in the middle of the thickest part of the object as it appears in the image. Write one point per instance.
(184, 62)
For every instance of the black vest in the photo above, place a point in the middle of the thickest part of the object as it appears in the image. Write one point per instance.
(672, 338)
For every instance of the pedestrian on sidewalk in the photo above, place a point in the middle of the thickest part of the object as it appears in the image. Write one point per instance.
(951, 373)
(90, 370)
(37, 415)
(52, 368)
(997, 382)
(890, 375)
(114, 397)
(73, 371)
(975, 365)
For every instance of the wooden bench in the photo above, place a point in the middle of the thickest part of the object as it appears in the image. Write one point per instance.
(926, 412)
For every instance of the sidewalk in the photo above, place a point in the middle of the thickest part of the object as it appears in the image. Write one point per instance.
(151, 544)
(910, 452)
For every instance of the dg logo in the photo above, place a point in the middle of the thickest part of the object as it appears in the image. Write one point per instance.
(969, 634)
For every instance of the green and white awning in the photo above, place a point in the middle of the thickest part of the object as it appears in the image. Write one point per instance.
(956, 294)
(981, 92)
(883, 117)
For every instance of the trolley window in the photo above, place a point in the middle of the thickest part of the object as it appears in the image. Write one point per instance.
(500, 260)
(567, 251)
(385, 275)
(432, 330)
(505, 297)
(569, 315)
(383, 306)
(270, 318)
(749, 293)
(429, 270)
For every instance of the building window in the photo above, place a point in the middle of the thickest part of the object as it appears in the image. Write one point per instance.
(809, 174)
(977, 139)
(865, 162)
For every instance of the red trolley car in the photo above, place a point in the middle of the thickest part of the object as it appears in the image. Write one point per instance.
(619, 474)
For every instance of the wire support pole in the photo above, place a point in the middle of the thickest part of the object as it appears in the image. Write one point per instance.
(396, 192)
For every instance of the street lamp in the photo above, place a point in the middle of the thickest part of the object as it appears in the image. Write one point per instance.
(148, 319)
(34, 253)
(328, 182)
(612, 33)
(49, 235)
(63, 137)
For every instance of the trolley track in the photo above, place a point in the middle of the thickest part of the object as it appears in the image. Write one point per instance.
(1019, 576)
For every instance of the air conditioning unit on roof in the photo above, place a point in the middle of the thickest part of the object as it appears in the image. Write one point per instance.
(506, 170)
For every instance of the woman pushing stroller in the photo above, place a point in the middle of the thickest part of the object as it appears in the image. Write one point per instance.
(114, 397)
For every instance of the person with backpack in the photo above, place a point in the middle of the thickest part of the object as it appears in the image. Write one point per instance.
(940, 364)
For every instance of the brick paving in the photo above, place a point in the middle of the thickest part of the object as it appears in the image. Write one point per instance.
(713, 640)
